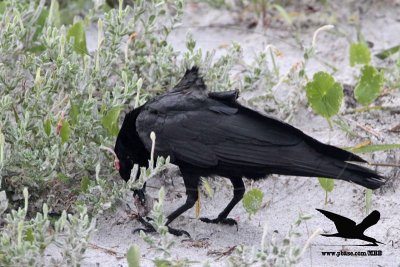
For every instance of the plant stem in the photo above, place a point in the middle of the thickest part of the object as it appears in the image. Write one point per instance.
(326, 197)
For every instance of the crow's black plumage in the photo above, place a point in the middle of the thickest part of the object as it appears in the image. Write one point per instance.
(212, 134)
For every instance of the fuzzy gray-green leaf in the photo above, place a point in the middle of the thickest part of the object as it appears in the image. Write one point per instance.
(47, 127)
(110, 121)
(65, 131)
(85, 183)
(133, 256)
(77, 31)
(74, 112)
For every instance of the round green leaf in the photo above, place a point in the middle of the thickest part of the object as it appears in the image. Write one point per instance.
(369, 86)
(359, 54)
(252, 200)
(327, 184)
(324, 94)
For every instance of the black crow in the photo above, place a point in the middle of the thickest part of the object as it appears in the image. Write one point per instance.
(209, 133)
(349, 229)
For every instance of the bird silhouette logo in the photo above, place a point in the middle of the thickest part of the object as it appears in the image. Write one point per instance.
(350, 230)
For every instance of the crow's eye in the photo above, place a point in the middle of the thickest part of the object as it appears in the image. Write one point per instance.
(129, 159)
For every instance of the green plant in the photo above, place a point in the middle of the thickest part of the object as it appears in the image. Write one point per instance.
(59, 104)
(133, 256)
(273, 251)
(163, 243)
(371, 80)
(324, 95)
(359, 54)
(328, 185)
(369, 86)
(23, 241)
(252, 200)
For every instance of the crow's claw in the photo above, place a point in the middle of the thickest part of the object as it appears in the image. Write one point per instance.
(146, 230)
(178, 232)
(227, 221)
(149, 228)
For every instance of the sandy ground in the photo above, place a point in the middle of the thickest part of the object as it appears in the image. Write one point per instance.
(284, 197)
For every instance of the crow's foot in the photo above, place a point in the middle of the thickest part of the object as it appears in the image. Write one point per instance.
(228, 221)
(178, 232)
(149, 228)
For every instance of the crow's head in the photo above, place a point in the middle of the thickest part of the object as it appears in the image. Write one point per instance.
(130, 150)
(124, 163)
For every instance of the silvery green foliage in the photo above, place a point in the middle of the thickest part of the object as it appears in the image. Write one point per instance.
(23, 241)
(101, 196)
(3, 197)
(216, 72)
(45, 84)
(163, 242)
(273, 251)
(392, 73)
(73, 241)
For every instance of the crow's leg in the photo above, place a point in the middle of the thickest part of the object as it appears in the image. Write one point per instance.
(238, 192)
(191, 183)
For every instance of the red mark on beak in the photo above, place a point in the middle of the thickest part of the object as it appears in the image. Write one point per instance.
(116, 164)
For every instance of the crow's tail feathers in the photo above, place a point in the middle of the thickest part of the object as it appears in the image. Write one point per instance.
(191, 79)
(342, 170)
(359, 175)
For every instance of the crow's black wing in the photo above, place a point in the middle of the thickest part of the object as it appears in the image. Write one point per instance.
(342, 223)
(198, 130)
(370, 220)
(206, 132)
(226, 96)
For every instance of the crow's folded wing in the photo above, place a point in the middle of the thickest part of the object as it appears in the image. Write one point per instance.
(219, 133)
